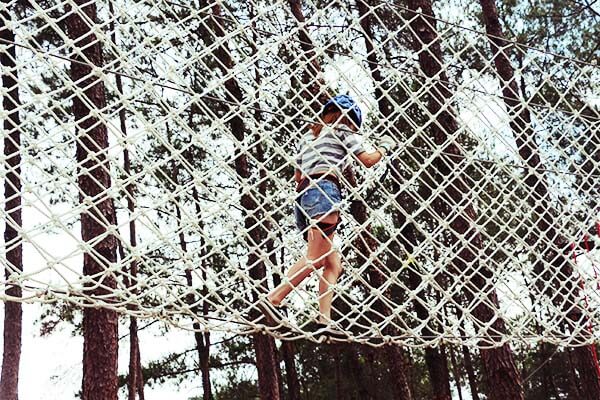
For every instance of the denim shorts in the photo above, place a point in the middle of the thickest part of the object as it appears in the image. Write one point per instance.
(316, 201)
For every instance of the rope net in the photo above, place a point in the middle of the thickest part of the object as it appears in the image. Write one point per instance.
(480, 227)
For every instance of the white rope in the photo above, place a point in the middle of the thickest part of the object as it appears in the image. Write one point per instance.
(169, 65)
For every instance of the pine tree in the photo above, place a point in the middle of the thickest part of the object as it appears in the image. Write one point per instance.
(266, 351)
(553, 241)
(99, 325)
(13, 313)
(499, 362)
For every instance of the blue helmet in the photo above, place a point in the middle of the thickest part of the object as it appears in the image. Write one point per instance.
(344, 102)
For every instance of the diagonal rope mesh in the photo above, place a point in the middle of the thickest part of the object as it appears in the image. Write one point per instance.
(481, 230)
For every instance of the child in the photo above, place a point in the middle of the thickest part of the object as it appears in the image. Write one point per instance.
(323, 155)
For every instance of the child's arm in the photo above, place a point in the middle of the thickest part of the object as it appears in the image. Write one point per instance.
(370, 159)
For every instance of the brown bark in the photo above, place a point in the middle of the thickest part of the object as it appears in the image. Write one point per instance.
(132, 382)
(552, 243)
(99, 325)
(135, 382)
(356, 371)
(437, 366)
(436, 361)
(267, 362)
(291, 373)
(202, 339)
(13, 312)
(499, 362)
(140, 380)
(456, 373)
(313, 86)
(470, 373)
(574, 392)
(287, 350)
(398, 368)
(367, 23)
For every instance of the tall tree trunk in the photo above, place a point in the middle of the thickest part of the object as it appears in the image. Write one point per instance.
(574, 391)
(140, 380)
(201, 346)
(398, 369)
(470, 373)
(456, 372)
(202, 338)
(100, 336)
(291, 373)
(313, 87)
(13, 312)
(499, 362)
(356, 371)
(202, 341)
(266, 351)
(436, 361)
(287, 350)
(133, 384)
(553, 243)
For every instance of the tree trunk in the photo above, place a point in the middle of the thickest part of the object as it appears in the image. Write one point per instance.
(498, 363)
(566, 292)
(287, 350)
(456, 373)
(435, 357)
(140, 380)
(266, 357)
(398, 367)
(436, 362)
(132, 382)
(313, 86)
(437, 366)
(100, 336)
(202, 340)
(291, 374)
(201, 346)
(135, 381)
(470, 373)
(13, 312)
(574, 392)
(356, 371)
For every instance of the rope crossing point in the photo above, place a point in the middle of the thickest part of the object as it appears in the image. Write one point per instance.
(212, 170)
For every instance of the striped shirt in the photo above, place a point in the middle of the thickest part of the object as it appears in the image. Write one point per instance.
(330, 152)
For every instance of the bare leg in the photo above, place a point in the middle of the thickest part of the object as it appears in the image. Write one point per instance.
(318, 247)
(299, 271)
(331, 272)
